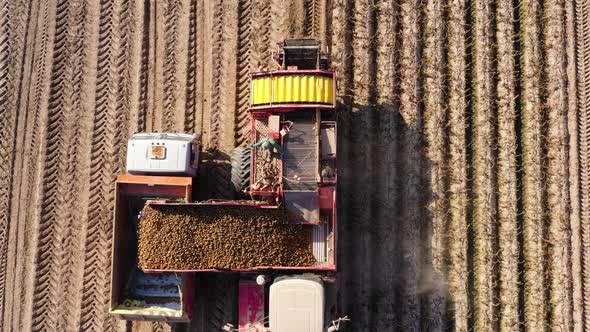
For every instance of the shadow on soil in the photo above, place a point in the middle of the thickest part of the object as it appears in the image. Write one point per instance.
(387, 277)
(388, 281)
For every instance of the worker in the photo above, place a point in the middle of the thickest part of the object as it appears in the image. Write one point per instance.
(270, 143)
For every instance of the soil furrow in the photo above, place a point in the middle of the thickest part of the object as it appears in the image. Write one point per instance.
(128, 67)
(363, 115)
(436, 139)
(228, 85)
(157, 58)
(171, 27)
(532, 191)
(342, 63)
(262, 23)
(458, 273)
(175, 22)
(507, 182)
(411, 166)
(484, 222)
(385, 199)
(273, 28)
(202, 68)
(560, 311)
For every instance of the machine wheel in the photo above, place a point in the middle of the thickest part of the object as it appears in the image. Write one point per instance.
(240, 169)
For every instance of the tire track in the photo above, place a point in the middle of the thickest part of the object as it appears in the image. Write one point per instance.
(144, 73)
(191, 111)
(219, 166)
(243, 70)
(128, 68)
(12, 34)
(52, 251)
(80, 70)
(25, 25)
(560, 311)
(170, 82)
(311, 22)
(104, 165)
(29, 215)
(583, 102)
(215, 130)
(222, 300)
(507, 167)
(458, 200)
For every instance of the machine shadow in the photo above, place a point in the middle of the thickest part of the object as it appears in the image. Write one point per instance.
(214, 177)
(388, 277)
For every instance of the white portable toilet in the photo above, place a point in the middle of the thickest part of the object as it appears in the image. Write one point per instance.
(296, 305)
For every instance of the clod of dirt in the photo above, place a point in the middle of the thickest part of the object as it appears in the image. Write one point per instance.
(220, 237)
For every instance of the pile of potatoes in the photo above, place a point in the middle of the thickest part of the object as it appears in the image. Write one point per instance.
(185, 237)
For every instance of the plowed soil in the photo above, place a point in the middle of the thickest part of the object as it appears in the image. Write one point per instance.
(464, 151)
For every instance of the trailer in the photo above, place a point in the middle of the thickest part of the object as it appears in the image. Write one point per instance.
(288, 172)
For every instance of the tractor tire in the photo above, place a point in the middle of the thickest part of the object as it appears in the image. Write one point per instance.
(240, 170)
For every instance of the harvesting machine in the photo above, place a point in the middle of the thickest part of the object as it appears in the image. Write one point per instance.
(289, 165)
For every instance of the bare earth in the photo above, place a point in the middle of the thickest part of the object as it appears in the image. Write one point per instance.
(464, 198)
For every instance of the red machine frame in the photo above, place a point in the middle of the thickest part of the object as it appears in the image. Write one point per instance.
(252, 298)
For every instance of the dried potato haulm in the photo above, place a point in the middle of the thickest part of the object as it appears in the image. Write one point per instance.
(208, 237)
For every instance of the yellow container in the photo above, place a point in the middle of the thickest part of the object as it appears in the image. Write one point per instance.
(292, 89)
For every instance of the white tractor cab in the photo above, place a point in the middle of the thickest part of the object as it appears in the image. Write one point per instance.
(163, 153)
(291, 164)
(296, 303)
